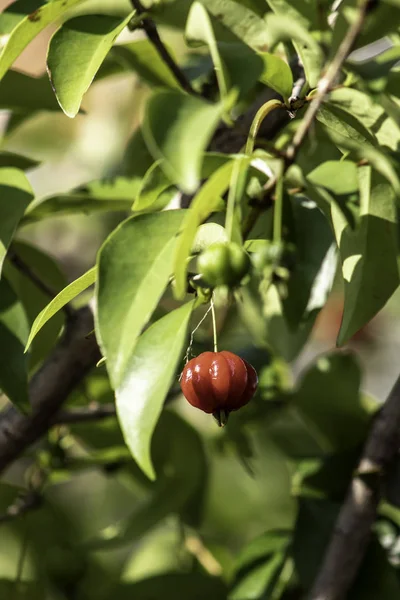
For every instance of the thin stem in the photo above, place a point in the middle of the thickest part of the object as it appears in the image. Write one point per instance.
(257, 121)
(278, 207)
(26, 270)
(151, 31)
(214, 322)
(236, 190)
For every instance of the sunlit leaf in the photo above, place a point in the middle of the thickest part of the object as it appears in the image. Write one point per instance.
(288, 23)
(137, 261)
(147, 379)
(28, 27)
(178, 128)
(368, 254)
(75, 54)
(66, 295)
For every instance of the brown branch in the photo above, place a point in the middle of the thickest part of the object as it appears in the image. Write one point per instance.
(151, 31)
(74, 356)
(353, 527)
(26, 270)
(85, 414)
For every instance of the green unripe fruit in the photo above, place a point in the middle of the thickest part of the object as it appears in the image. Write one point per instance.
(223, 264)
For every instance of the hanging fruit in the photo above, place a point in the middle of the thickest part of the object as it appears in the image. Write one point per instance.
(223, 264)
(218, 383)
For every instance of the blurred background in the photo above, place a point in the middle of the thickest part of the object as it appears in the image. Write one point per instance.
(101, 494)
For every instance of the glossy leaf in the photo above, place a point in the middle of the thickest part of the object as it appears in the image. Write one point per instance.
(27, 28)
(15, 195)
(178, 128)
(289, 23)
(231, 17)
(204, 203)
(371, 114)
(368, 254)
(137, 260)
(345, 124)
(66, 295)
(312, 238)
(199, 29)
(147, 379)
(277, 74)
(76, 52)
(13, 335)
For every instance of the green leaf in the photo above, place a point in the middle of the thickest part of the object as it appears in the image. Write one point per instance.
(347, 138)
(370, 113)
(379, 22)
(22, 92)
(66, 295)
(312, 237)
(9, 159)
(230, 17)
(181, 466)
(345, 124)
(110, 195)
(15, 195)
(199, 29)
(340, 416)
(76, 52)
(258, 566)
(29, 27)
(143, 58)
(204, 203)
(289, 24)
(277, 75)
(236, 64)
(156, 189)
(368, 254)
(137, 261)
(337, 176)
(376, 70)
(178, 128)
(151, 195)
(267, 325)
(13, 335)
(147, 379)
(34, 299)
